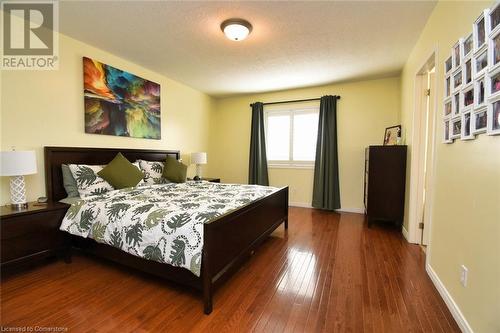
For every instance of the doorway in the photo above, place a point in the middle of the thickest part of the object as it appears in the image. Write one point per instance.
(422, 154)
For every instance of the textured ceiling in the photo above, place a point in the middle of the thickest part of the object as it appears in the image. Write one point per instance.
(292, 45)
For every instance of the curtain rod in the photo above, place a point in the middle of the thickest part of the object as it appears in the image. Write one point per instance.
(295, 101)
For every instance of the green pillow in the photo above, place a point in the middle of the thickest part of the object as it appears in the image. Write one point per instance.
(174, 170)
(120, 173)
(69, 182)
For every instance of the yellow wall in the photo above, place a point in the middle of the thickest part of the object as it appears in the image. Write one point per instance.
(45, 108)
(365, 109)
(466, 189)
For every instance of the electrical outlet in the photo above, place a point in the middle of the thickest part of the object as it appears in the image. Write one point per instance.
(463, 275)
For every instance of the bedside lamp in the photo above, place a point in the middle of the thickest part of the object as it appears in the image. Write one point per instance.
(17, 164)
(198, 159)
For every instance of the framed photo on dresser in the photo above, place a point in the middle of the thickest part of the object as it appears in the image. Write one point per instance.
(392, 135)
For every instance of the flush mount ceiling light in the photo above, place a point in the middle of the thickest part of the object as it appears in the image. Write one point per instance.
(236, 29)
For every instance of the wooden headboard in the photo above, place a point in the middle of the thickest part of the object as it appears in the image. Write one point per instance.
(55, 156)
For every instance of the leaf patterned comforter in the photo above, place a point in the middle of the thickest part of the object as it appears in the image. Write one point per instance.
(161, 222)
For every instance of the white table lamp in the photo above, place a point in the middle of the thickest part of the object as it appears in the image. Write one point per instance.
(17, 164)
(198, 159)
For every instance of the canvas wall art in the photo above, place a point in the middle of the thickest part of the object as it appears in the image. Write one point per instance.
(120, 103)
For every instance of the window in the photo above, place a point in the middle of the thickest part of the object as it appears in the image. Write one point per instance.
(291, 137)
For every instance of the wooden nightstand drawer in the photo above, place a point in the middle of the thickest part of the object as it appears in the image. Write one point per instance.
(31, 243)
(17, 226)
(31, 233)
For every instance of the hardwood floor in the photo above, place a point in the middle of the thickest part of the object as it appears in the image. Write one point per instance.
(329, 273)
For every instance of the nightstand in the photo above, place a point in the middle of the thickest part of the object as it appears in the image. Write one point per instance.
(211, 180)
(32, 233)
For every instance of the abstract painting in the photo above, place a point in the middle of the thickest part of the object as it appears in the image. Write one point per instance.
(120, 103)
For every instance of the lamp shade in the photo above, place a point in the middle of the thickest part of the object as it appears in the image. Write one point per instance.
(199, 158)
(17, 163)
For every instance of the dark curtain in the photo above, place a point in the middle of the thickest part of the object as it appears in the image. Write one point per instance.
(257, 171)
(326, 192)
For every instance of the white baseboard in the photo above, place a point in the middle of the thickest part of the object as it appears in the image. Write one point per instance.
(345, 210)
(405, 234)
(299, 204)
(352, 210)
(450, 303)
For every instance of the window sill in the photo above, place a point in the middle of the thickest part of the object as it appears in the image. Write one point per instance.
(290, 166)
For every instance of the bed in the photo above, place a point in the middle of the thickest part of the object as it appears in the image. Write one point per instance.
(227, 240)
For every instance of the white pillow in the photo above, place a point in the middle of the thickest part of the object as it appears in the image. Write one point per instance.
(88, 181)
(152, 171)
(136, 164)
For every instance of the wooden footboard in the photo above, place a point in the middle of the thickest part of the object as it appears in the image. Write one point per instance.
(227, 242)
(229, 239)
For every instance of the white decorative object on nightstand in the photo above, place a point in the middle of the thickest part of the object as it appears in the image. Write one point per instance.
(17, 164)
(198, 159)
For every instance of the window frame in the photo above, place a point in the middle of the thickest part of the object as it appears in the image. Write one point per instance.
(291, 112)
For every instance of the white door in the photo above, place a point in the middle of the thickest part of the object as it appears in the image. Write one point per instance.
(428, 142)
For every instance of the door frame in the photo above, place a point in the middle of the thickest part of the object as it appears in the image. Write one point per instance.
(416, 179)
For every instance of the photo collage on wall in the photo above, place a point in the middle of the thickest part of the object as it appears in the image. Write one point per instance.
(472, 81)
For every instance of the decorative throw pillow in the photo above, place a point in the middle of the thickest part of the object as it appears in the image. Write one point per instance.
(88, 181)
(153, 172)
(69, 182)
(136, 164)
(121, 173)
(143, 180)
(174, 170)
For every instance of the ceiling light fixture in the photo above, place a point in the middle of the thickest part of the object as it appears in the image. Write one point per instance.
(236, 29)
